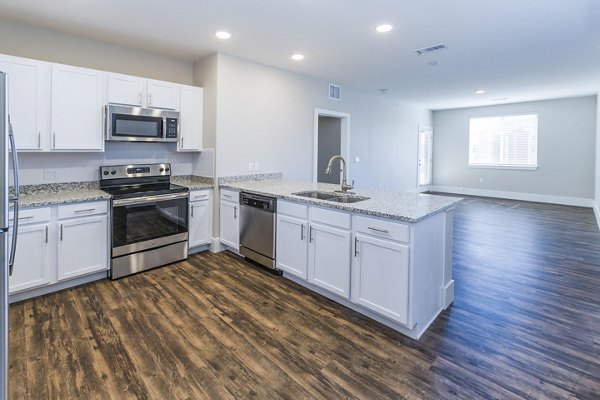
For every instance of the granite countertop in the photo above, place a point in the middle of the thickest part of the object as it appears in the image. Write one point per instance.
(408, 207)
(193, 182)
(60, 193)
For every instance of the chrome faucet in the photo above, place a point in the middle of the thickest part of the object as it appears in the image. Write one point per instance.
(345, 186)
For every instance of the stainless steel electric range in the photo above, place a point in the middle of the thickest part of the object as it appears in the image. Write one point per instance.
(149, 218)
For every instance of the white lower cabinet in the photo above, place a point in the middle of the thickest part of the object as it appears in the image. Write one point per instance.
(32, 266)
(380, 276)
(292, 245)
(59, 243)
(200, 221)
(82, 246)
(329, 258)
(314, 244)
(229, 219)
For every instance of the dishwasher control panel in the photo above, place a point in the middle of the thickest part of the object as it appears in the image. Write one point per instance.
(262, 202)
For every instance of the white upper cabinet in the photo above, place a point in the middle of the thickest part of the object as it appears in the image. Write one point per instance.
(77, 102)
(28, 100)
(190, 118)
(163, 95)
(125, 89)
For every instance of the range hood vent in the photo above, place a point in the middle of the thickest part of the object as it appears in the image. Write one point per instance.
(335, 92)
(431, 49)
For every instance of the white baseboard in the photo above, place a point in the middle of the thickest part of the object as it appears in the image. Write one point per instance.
(216, 246)
(597, 213)
(538, 198)
(448, 294)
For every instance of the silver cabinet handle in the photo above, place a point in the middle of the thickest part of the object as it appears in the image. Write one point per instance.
(378, 229)
(24, 218)
(46, 233)
(310, 234)
(53, 140)
(355, 247)
(61, 232)
(227, 196)
(39, 140)
(302, 232)
(192, 209)
(140, 98)
(234, 212)
(200, 197)
(84, 211)
(182, 141)
(149, 99)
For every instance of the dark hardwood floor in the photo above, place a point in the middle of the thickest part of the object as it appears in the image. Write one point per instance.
(525, 324)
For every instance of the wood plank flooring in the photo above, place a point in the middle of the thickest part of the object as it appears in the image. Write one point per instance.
(525, 324)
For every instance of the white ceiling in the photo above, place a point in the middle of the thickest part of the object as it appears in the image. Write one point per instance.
(515, 49)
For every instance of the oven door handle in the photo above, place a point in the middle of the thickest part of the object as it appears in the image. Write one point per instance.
(148, 199)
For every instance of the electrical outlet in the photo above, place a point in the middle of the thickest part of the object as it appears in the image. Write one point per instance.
(357, 159)
(49, 174)
(250, 167)
(256, 166)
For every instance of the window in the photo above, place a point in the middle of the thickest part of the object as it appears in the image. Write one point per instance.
(425, 155)
(504, 142)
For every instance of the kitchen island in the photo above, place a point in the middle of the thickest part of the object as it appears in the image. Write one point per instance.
(388, 257)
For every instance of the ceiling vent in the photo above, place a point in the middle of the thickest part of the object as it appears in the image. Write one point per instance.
(431, 49)
(335, 92)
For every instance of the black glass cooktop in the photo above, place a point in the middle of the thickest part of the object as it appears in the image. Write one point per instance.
(126, 191)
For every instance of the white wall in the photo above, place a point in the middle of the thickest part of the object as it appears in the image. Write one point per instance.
(566, 151)
(597, 175)
(266, 115)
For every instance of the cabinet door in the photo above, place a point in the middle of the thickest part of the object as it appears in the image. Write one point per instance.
(200, 223)
(292, 246)
(329, 259)
(28, 100)
(32, 266)
(190, 119)
(163, 95)
(82, 246)
(229, 222)
(76, 108)
(125, 89)
(380, 276)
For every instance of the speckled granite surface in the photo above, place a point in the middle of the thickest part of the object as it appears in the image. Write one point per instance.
(60, 193)
(248, 178)
(193, 182)
(408, 207)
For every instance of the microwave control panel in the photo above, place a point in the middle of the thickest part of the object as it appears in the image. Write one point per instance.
(171, 132)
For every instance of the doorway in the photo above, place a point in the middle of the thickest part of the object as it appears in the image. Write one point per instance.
(425, 158)
(331, 133)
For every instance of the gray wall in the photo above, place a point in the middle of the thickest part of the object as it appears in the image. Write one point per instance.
(329, 146)
(266, 115)
(566, 149)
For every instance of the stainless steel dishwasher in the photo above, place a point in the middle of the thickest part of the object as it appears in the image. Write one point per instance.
(258, 228)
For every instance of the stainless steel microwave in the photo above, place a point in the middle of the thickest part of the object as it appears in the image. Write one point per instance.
(136, 124)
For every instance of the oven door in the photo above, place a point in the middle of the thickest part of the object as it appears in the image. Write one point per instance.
(148, 222)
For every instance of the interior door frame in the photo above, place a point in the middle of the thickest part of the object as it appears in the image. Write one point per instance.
(345, 138)
(420, 128)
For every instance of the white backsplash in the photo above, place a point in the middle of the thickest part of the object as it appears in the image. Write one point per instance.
(37, 168)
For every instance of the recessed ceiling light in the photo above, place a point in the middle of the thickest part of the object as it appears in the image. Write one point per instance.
(297, 57)
(479, 91)
(384, 28)
(223, 34)
(433, 63)
(500, 99)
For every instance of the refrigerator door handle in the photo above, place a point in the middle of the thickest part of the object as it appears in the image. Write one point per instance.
(15, 233)
(15, 159)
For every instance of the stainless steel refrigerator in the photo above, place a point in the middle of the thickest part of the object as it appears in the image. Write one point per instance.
(7, 250)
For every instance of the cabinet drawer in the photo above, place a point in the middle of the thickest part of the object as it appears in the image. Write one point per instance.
(330, 217)
(82, 209)
(292, 209)
(230, 195)
(198, 195)
(386, 229)
(31, 215)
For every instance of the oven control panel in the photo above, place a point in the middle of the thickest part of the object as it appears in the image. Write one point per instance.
(134, 171)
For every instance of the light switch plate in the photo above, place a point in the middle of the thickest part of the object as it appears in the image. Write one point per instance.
(256, 166)
(250, 167)
(49, 174)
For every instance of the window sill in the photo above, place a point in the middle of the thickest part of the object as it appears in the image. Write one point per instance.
(512, 167)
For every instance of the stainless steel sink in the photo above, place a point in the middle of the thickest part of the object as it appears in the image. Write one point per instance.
(332, 196)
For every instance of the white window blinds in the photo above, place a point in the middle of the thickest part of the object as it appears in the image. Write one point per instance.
(425, 155)
(506, 141)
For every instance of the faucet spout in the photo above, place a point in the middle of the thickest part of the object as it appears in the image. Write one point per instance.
(345, 186)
